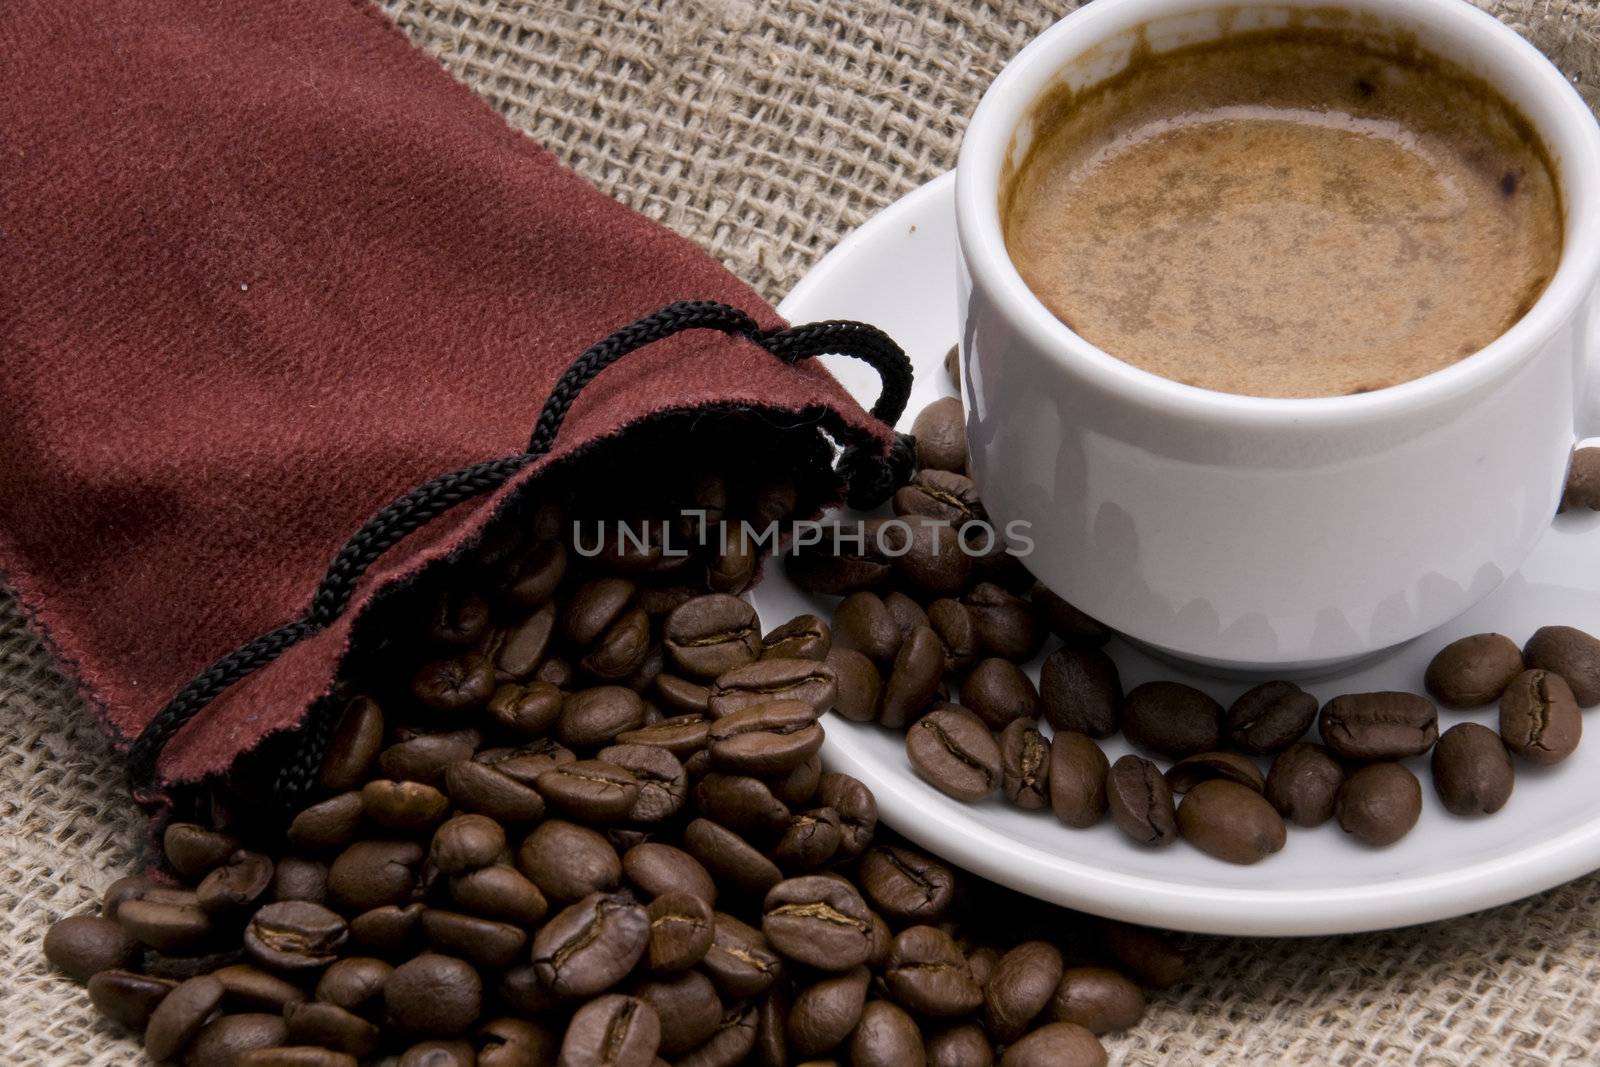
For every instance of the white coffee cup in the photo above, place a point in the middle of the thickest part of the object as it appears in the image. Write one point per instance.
(1260, 534)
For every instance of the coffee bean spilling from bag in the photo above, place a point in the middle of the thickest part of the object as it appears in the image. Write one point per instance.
(571, 812)
(936, 619)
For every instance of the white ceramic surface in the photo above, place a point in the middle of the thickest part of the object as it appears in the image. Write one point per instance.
(1266, 533)
(896, 271)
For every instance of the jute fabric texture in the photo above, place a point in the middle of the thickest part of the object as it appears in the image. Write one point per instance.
(766, 131)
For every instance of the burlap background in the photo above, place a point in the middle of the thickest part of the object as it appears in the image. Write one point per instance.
(766, 129)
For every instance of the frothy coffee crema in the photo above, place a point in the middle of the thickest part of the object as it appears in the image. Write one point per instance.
(1296, 213)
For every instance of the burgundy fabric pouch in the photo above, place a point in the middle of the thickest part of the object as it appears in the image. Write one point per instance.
(265, 267)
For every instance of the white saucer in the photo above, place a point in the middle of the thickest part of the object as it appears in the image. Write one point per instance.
(898, 271)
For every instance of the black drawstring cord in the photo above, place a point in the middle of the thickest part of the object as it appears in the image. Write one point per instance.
(869, 478)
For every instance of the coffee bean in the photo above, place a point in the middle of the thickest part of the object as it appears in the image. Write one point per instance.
(1144, 953)
(927, 975)
(466, 842)
(1078, 772)
(863, 622)
(621, 649)
(819, 569)
(508, 1042)
(1056, 1045)
(1140, 802)
(1066, 621)
(808, 681)
(680, 931)
(194, 850)
(907, 613)
(730, 1045)
(389, 931)
(944, 496)
(1270, 717)
(1230, 821)
(437, 1054)
(655, 869)
(557, 670)
(1005, 623)
(1570, 653)
(591, 790)
(1304, 784)
(1171, 719)
(711, 635)
(1379, 726)
(1022, 984)
(905, 884)
(858, 811)
(312, 1056)
(353, 746)
(479, 941)
(526, 762)
(772, 1020)
(568, 862)
(126, 997)
(740, 961)
(455, 683)
(530, 708)
(741, 803)
(730, 858)
(370, 874)
(1473, 671)
(1025, 766)
(166, 926)
(612, 1031)
(819, 921)
(532, 576)
(957, 631)
(521, 647)
(405, 807)
(588, 947)
(330, 1026)
(681, 735)
(954, 752)
(768, 738)
(1380, 803)
(857, 684)
(1229, 766)
(810, 840)
(180, 1015)
(499, 892)
(251, 989)
(295, 935)
(594, 717)
(1472, 771)
(520, 989)
(424, 759)
(459, 617)
(802, 637)
(84, 945)
(997, 692)
(981, 961)
(663, 785)
(913, 680)
(1098, 999)
(952, 366)
(1080, 689)
(486, 790)
(1539, 718)
(355, 984)
(433, 994)
(593, 606)
(927, 555)
(1583, 480)
(885, 1037)
(825, 1012)
(965, 1045)
(798, 786)
(182, 968)
(688, 1007)
(940, 430)
(237, 885)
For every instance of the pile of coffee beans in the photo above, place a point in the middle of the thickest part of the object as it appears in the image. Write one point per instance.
(572, 813)
(936, 619)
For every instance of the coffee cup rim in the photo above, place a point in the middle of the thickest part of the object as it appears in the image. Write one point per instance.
(1568, 129)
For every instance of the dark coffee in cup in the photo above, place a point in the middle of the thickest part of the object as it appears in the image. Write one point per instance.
(1290, 213)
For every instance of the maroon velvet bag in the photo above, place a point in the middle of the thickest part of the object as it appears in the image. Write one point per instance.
(264, 268)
